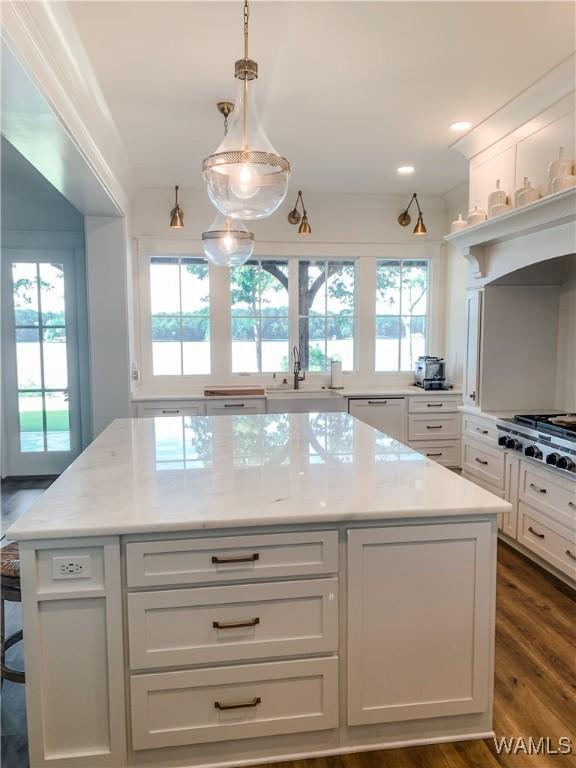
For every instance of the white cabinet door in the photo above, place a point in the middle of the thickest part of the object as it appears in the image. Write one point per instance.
(387, 414)
(420, 621)
(508, 521)
(472, 362)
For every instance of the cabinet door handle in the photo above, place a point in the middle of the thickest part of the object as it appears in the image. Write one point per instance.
(540, 490)
(241, 705)
(433, 454)
(571, 555)
(234, 405)
(236, 624)
(472, 395)
(481, 461)
(240, 559)
(434, 405)
(535, 533)
(571, 504)
(437, 426)
(482, 431)
(170, 410)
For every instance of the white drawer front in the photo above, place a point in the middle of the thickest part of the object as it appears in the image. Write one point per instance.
(550, 494)
(446, 453)
(427, 427)
(206, 625)
(148, 410)
(231, 558)
(190, 707)
(487, 487)
(479, 428)
(228, 407)
(484, 462)
(534, 532)
(433, 405)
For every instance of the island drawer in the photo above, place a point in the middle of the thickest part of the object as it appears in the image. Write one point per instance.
(231, 558)
(550, 494)
(433, 404)
(536, 533)
(445, 453)
(427, 427)
(484, 462)
(206, 625)
(206, 705)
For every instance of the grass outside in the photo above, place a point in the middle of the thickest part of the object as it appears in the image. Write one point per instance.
(31, 421)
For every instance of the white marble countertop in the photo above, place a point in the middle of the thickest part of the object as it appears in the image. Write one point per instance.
(191, 473)
(407, 390)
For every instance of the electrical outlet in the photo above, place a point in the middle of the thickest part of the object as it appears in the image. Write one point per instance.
(75, 567)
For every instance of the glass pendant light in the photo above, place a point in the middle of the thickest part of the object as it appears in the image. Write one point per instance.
(245, 177)
(227, 243)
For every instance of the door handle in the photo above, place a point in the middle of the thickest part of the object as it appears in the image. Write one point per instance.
(236, 624)
(241, 705)
(377, 402)
(535, 533)
(433, 454)
(240, 559)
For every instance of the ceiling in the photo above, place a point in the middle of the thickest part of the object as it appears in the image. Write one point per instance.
(348, 91)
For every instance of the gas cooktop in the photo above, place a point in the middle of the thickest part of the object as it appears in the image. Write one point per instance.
(559, 424)
(549, 438)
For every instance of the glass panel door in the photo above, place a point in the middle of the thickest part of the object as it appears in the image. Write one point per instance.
(43, 413)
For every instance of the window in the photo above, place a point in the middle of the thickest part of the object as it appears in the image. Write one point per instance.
(401, 313)
(41, 356)
(260, 317)
(326, 308)
(180, 304)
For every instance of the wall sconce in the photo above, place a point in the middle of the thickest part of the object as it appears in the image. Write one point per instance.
(176, 214)
(295, 217)
(404, 218)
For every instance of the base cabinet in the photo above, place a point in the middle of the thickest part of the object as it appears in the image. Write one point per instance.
(419, 636)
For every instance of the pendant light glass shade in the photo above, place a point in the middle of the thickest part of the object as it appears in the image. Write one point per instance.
(245, 177)
(227, 243)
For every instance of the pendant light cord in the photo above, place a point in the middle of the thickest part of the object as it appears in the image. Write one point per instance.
(246, 17)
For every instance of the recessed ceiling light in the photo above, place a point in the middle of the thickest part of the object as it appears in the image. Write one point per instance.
(461, 125)
(404, 169)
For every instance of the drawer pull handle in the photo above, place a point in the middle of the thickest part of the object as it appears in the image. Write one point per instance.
(540, 490)
(234, 405)
(434, 405)
(571, 504)
(535, 533)
(482, 431)
(481, 461)
(170, 410)
(377, 402)
(240, 559)
(436, 426)
(571, 555)
(241, 705)
(434, 454)
(236, 624)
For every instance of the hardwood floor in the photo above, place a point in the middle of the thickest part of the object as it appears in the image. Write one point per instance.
(535, 689)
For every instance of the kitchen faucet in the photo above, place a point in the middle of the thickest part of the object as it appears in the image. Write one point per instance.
(299, 374)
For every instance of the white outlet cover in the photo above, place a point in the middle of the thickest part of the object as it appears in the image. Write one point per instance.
(74, 567)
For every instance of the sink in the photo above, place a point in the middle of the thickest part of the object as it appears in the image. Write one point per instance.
(302, 393)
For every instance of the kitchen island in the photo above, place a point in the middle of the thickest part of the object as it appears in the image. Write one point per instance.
(233, 590)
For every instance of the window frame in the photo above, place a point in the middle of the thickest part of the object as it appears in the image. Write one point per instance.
(365, 256)
(400, 315)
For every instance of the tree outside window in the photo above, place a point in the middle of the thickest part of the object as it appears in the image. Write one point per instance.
(401, 313)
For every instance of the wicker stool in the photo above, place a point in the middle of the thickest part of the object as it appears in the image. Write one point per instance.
(10, 590)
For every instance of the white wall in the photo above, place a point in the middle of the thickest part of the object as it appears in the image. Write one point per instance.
(456, 280)
(566, 367)
(108, 319)
(363, 226)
